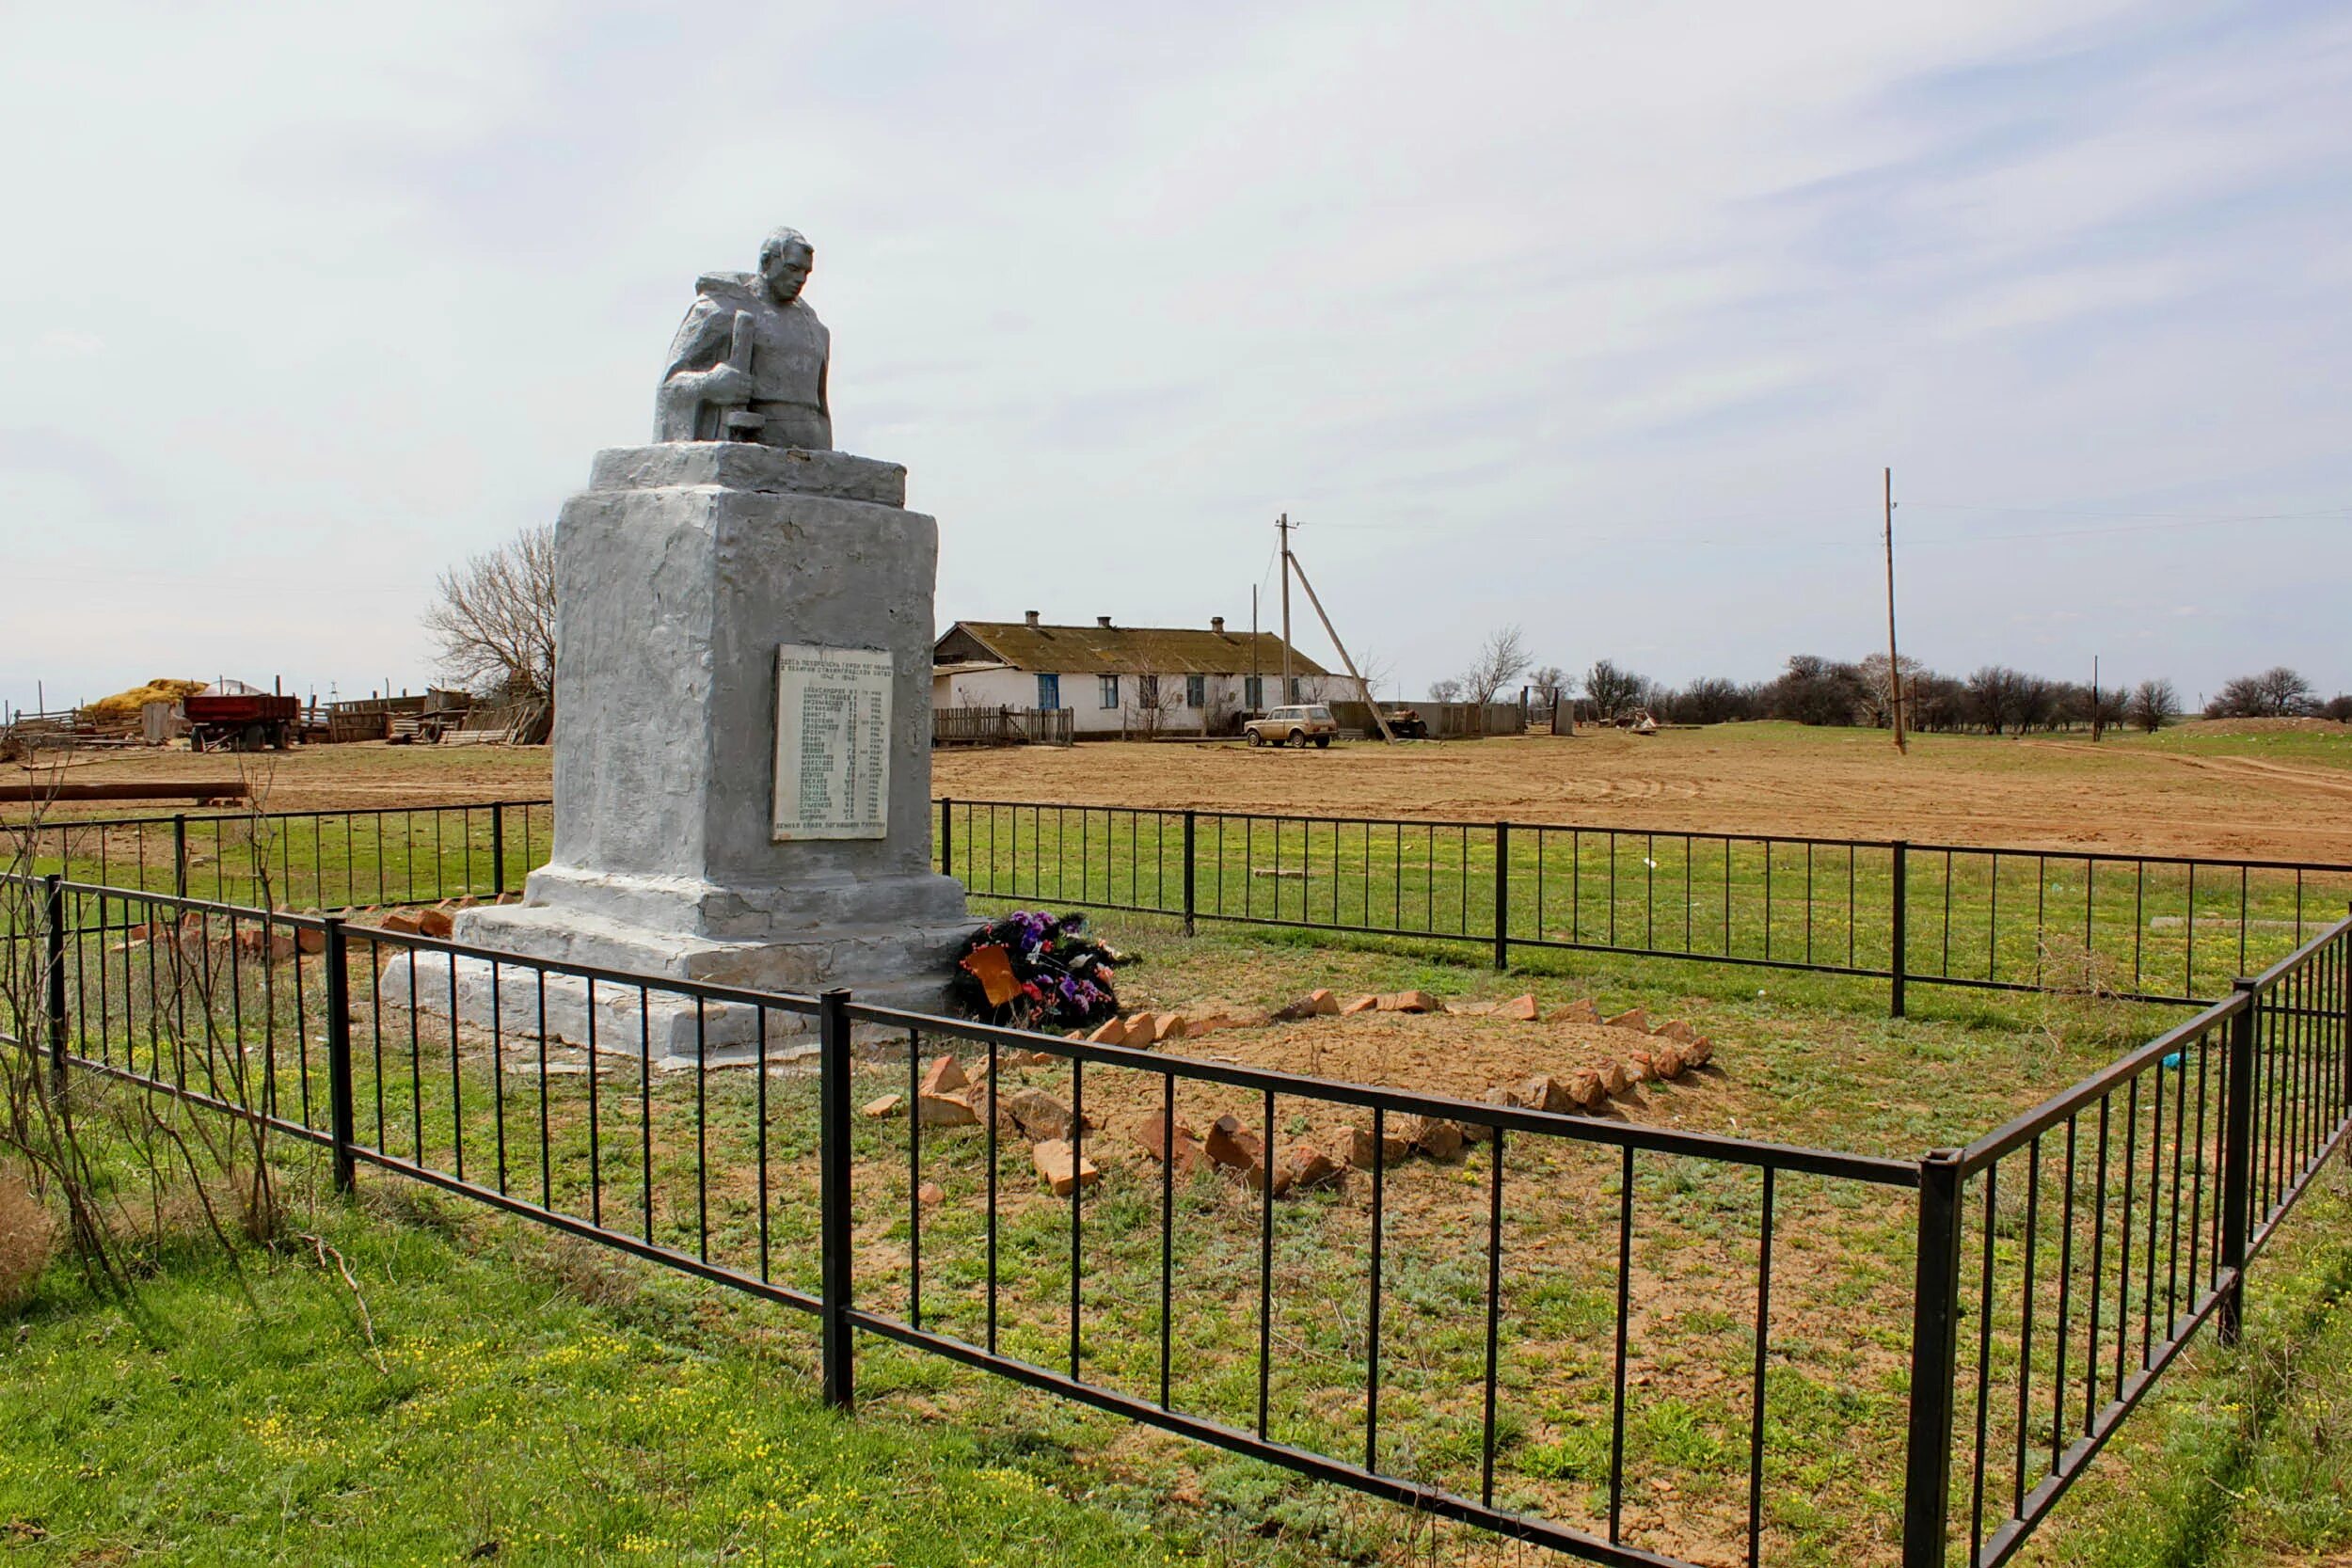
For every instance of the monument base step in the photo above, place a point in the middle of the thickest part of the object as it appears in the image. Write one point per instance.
(899, 967)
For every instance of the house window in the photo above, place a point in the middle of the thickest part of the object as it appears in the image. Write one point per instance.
(1253, 691)
(1195, 691)
(1147, 692)
(1049, 693)
(1110, 691)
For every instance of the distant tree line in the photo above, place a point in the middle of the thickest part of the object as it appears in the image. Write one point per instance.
(1994, 700)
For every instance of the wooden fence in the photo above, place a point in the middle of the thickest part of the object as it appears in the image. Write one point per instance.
(1001, 726)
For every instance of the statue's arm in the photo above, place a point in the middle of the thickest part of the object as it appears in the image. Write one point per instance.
(698, 371)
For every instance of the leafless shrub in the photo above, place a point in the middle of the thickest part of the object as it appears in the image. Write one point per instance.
(193, 1165)
(1150, 710)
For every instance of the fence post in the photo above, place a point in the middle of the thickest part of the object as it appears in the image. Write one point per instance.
(180, 855)
(1502, 896)
(53, 917)
(1935, 1360)
(2343, 1019)
(498, 851)
(2237, 1156)
(947, 835)
(1191, 827)
(1903, 926)
(833, 1154)
(342, 1124)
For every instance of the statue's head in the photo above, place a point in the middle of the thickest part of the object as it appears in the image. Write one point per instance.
(785, 259)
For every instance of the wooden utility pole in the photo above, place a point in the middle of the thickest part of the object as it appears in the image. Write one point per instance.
(1329, 630)
(1257, 681)
(1894, 663)
(1282, 531)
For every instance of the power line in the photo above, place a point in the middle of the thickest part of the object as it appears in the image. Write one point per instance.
(2150, 528)
(2112, 511)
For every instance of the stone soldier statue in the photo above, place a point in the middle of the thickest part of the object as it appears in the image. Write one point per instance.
(749, 360)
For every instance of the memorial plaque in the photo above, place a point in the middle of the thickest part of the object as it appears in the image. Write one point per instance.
(833, 742)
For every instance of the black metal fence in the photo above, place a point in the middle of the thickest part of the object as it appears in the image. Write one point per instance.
(2138, 928)
(1576, 1333)
(2112, 1221)
(316, 859)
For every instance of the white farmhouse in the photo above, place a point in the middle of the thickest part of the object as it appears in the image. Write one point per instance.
(1119, 680)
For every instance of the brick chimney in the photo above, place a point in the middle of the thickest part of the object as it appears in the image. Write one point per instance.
(1102, 620)
(1216, 624)
(1032, 619)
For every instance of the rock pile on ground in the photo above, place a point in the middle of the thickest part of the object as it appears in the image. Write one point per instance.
(949, 1095)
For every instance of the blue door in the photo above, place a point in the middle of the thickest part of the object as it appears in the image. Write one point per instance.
(1049, 693)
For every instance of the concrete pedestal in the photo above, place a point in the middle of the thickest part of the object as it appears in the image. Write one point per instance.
(680, 572)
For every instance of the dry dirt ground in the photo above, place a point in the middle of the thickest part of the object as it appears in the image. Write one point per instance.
(313, 777)
(2244, 791)
(2279, 790)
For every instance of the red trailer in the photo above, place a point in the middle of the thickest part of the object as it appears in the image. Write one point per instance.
(241, 720)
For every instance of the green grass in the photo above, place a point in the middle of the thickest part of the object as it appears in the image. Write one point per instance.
(2329, 747)
(324, 859)
(2242, 1458)
(2014, 918)
(239, 1414)
(1813, 1060)
(1807, 1058)
(2065, 921)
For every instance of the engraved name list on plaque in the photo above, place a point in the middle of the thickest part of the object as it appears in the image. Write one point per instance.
(833, 742)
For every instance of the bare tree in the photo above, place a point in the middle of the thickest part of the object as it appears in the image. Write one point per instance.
(2153, 704)
(1712, 700)
(1612, 690)
(1549, 681)
(1818, 690)
(494, 618)
(1446, 690)
(1155, 700)
(2002, 699)
(2278, 692)
(2109, 709)
(1501, 658)
(1377, 673)
(1872, 691)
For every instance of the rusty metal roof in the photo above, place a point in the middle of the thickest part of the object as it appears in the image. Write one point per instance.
(1128, 650)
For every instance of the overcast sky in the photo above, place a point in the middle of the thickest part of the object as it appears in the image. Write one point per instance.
(1598, 319)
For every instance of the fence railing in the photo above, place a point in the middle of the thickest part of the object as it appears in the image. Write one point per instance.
(2086, 1241)
(1573, 1333)
(323, 860)
(2138, 928)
